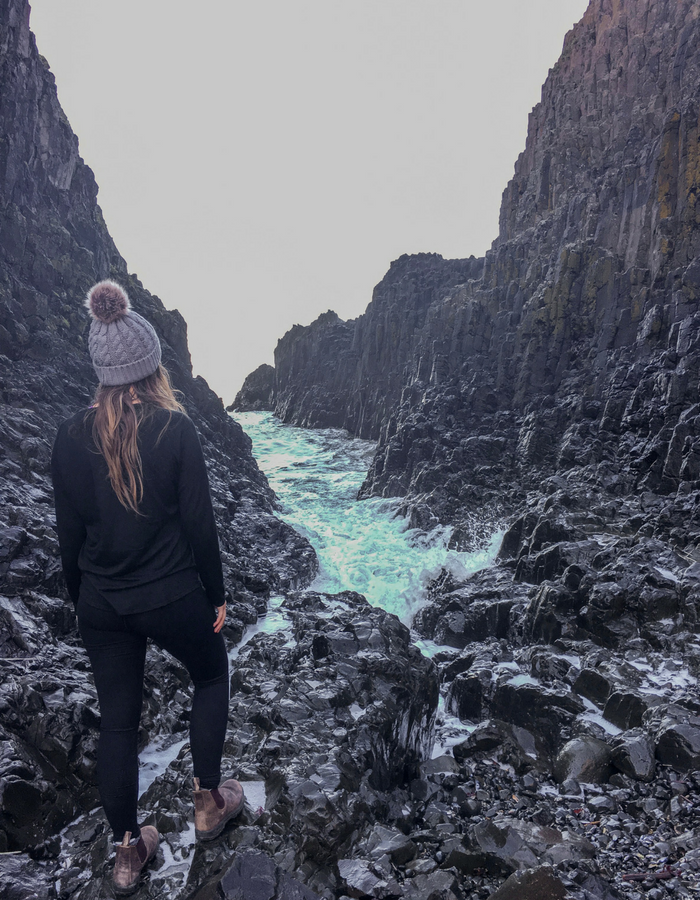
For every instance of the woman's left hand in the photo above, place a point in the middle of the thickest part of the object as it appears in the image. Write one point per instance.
(220, 616)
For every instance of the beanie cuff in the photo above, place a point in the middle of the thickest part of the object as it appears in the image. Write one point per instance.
(111, 376)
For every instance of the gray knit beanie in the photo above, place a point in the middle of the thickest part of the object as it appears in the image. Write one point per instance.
(123, 345)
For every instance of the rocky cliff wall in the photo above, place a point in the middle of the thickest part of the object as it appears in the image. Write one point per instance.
(554, 388)
(574, 340)
(351, 374)
(53, 245)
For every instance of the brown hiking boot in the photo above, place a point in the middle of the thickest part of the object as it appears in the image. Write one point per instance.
(132, 860)
(213, 809)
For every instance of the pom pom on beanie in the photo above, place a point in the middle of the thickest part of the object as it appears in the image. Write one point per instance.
(124, 346)
(107, 302)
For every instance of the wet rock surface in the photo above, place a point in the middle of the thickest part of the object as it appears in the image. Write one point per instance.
(329, 721)
(254, 876)
(551, 386)
(332, 727)
(534, 884)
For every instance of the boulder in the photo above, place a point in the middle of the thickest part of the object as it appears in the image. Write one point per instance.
(516, 844)
(585, 759)
(541, 710)
(633, 755)
(358, 877)
(625, 709)
(465, 696)
(508, 743)
(532, 884)
(433, 886)
(593, 685)
(254, 876)
(678, 745)
(480, 608)
(392, 843)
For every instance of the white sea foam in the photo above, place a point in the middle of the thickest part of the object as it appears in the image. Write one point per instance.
(363, 546)
(276, 619)
(449, 730)
(155, 758)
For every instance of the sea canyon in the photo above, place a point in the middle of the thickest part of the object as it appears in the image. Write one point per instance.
(550, 389)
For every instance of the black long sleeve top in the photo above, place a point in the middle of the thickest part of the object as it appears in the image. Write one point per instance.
(137, 562)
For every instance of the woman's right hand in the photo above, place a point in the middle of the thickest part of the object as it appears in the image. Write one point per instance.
(220, 616)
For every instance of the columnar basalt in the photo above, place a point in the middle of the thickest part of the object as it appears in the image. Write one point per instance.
(552, 351)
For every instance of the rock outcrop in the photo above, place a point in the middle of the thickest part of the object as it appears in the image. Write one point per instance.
(352, 374)
(258, 391)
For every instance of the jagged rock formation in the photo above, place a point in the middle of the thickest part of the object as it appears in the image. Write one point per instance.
(258, 391)
(553, 351)
(53, 245)
(559, 379)
(351, 374)
(330, 720)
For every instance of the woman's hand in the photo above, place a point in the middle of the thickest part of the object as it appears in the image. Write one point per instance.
(220, 616)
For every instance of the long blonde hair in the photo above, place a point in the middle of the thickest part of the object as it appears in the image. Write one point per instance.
(117, 412)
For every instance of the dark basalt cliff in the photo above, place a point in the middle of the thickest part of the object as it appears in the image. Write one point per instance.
(574, 341)
(351, 374)
(258, 391)
(53, 246)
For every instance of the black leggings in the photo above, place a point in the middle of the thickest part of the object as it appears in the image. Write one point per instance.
(116, 646)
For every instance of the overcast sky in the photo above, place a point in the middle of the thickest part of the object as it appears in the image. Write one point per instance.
(262, 162)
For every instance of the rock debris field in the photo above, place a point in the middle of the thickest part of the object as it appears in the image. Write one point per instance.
(541, 796)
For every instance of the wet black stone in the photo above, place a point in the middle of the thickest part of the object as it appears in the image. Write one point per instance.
(585, 759)
(678, 745)
(625, 709)
(594, 685)
(254, 876)
(633, 754)
(532, 884)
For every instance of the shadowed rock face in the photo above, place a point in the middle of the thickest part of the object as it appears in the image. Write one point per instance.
(258, 391)
(574, 342)
(53, 246)
(351, 374)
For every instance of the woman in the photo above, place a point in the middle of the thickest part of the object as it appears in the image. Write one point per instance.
(141, 559)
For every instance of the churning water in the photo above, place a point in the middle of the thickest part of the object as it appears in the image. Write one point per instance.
(366, 545)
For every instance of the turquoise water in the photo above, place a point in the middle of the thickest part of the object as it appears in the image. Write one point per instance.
(365, 546)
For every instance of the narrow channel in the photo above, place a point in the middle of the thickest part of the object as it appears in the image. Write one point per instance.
(365, 546)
